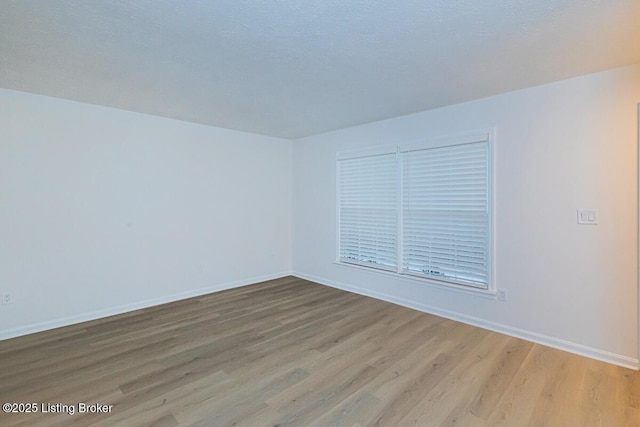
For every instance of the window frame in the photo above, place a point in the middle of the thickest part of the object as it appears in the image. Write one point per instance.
(488, 135)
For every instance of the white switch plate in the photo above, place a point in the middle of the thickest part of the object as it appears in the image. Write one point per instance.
(587, 216)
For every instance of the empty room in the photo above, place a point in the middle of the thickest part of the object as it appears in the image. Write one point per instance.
(319, 213)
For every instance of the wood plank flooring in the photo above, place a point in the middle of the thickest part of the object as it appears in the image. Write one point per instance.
(293, 353)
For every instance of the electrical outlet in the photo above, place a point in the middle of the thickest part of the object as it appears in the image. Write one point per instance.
(502, 295)
(6, 298)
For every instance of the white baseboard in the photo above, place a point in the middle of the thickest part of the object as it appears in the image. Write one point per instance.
(560, 344)
(85, 317)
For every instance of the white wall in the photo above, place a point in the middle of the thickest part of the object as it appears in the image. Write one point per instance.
(103, 210)
(560, 147)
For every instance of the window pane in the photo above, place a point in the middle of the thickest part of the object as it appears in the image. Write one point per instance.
(368, 211)
(445, 213)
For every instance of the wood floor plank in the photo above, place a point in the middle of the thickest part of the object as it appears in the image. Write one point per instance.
(288, 352)
(457, 391)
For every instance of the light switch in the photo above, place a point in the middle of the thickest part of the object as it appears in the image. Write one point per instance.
(587, 216)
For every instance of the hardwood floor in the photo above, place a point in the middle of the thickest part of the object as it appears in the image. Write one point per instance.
(293, 353)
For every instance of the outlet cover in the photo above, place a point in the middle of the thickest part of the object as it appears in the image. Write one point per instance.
(6, 298)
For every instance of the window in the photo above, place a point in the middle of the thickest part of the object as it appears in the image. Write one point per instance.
(422, 211)
(369, 210)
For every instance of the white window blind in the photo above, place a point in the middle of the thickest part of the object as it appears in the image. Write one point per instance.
(445, 213)
(422, 211)
(368, 210)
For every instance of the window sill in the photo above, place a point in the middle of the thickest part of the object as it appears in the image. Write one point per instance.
(483, 293)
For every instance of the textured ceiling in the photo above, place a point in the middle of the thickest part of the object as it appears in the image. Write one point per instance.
(300, 67)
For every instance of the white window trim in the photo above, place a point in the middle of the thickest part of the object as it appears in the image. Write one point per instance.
(447, 286)
(488, 135)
